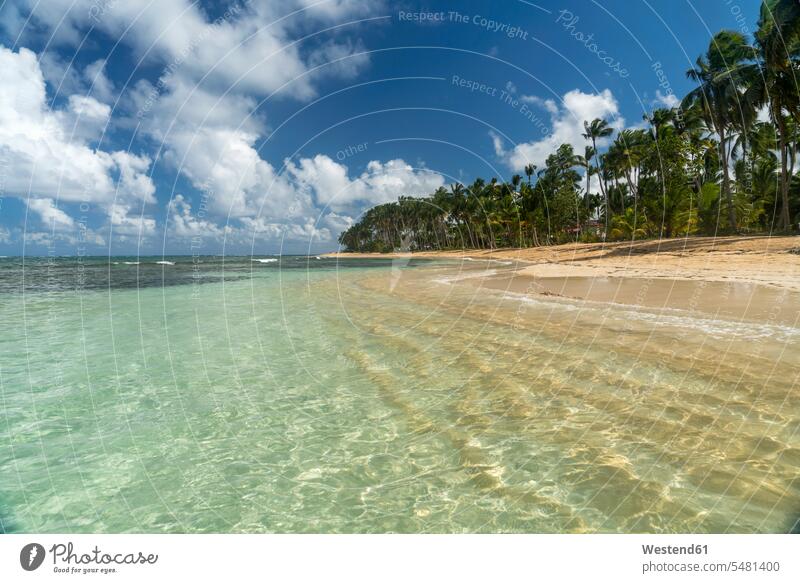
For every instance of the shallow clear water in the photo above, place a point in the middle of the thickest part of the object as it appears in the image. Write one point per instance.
(305, 395)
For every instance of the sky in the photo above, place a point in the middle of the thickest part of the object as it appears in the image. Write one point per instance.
(161, 127)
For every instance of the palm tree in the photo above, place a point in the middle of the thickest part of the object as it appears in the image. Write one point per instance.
(659, 121)
(594, 131)
(629, 226)
(585, 162)
(515, 181)
(773, 81)
(693, 163)
(626, 154)
(719, 97)
(530, 169)
(689, 126)
(661, 127)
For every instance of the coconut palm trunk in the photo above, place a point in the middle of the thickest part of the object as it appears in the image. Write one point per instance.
(726, 179)
(785, 222)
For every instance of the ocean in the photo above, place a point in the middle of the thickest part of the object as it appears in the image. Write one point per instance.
(306, 394)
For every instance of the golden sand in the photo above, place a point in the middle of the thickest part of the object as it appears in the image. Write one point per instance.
(763, 260)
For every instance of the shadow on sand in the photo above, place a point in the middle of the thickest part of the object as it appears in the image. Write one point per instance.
(674, 245)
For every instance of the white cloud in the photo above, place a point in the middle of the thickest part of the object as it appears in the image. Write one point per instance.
(668, 100)
(99, 85)
(47, 158)
(381, 182)
(248, 47)
(263, 229)
(547, 104)
(337, 223)
(498, 145)
(65, 78)
(339, 59)
(224, 163)
(203, 107)
(185, 225)
(212, 141)
(48, 239)
(336, 8)
(202, 113)
(126, 222)
(84, 119)
(133, 183)
(53, 217)
(89, 108)
(567, 126)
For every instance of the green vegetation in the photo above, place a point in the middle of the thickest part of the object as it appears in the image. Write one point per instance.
(709, 166)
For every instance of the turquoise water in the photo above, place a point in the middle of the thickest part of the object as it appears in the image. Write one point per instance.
(310, 395)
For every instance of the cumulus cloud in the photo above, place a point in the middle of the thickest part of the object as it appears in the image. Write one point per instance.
(201, 109)
(498, 145)
(84, 119)
(335, 8)
(566, 126)
(313, 192)
(338, 222)
(126, 222)
(211, 138)
(248, 46)
(52, 216)
(339, 59)
(668, 100)
(47, 149)
(379, 183)
(547, 104)
(265, 230)
(48, 238)
(66, 78)
(99, 85)
(184, 224)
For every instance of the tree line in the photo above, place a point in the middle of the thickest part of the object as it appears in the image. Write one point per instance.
(721, 162)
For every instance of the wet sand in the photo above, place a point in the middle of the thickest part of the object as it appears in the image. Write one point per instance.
(773, 262)
(731, 300)
(735, 278)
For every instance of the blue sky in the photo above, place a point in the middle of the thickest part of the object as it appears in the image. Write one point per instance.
(172, 127)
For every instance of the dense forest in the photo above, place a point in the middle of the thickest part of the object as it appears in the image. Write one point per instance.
(722, 162)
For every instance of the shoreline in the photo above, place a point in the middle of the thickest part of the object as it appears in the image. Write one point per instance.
(758, 260)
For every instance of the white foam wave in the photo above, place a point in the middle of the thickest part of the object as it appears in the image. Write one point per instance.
(672, 317)
(265, 260)
(165, 263)
(453, 278)
(501, 262)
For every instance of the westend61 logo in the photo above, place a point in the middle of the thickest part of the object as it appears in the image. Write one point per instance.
(66, 560)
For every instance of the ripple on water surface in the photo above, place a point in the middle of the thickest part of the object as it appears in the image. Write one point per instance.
(371, 398)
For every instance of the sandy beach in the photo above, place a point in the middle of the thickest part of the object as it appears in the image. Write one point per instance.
(754, 279)
(768, 261)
